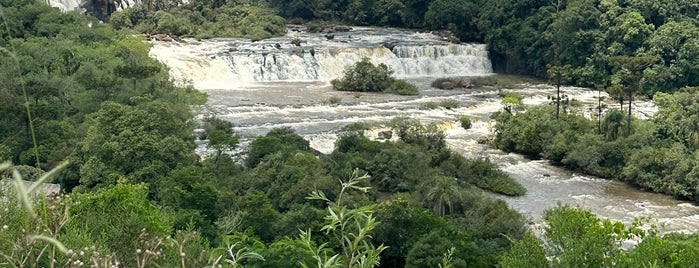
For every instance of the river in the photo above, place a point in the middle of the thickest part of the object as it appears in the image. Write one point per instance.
(274, 83)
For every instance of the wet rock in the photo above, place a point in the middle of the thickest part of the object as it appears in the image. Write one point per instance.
(162, 37)
(341, 28)
(447, 85)
(448, 36)
(385, 135)
(483, 140)
(466, 84)
(330, 36)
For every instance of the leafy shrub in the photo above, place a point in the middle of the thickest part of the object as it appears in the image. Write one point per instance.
(277, 140)
(364, 76)
(314, 26)
(334, 100)
(482, 173)
(449, 104)
(496, 81)
(402, 87)
(431, 105)
(411, 131)
(119, 214)
(252, 21)
(512, 102)
(465, 121)
(486, 81)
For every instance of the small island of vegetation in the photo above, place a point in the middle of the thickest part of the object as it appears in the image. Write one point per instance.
(364, 76)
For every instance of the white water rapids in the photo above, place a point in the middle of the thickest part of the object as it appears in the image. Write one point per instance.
(259, 86)
(232, 63)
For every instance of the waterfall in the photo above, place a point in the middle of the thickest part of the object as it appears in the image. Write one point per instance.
(65, 5)
(326, 64)
(76, 5)
(224, 63)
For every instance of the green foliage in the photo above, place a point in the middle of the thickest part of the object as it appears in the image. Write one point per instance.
(364, 76)
(256, 212)
(614, 125)
(431, 105)
(512, 102)
(465, 121)
(277, 140)
(577, 238)
(334, 100)
(349, 228)
(246, 19)
(413, 132)
(658, 154)
(402, 87)
(449, 104)
(527, 132)
(70, 65)
(672, 250)
(481, 173)
(261, 147)
(526, 252)
(676, 117)
(194, 198)
(122, 213)
(458, 17)
(135, 143)
(402, 223)
(429, 250)
(443, 193)
(30, 222)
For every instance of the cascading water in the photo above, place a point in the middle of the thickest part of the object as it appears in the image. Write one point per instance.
(256, 86)
(224, 63)
(328, 63)
(77, 5)
(65, 5)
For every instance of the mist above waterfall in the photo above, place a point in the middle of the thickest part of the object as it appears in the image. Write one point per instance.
(226, 63)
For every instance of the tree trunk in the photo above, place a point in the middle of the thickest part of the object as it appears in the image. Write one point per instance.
(628, 120)
(599, 110)
(558, 99)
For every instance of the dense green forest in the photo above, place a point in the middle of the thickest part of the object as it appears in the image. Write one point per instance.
(82, 100)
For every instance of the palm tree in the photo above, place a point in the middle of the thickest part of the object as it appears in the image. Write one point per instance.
(614, 124)
(444, 194)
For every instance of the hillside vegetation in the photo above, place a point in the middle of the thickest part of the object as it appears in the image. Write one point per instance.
(85, 107)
